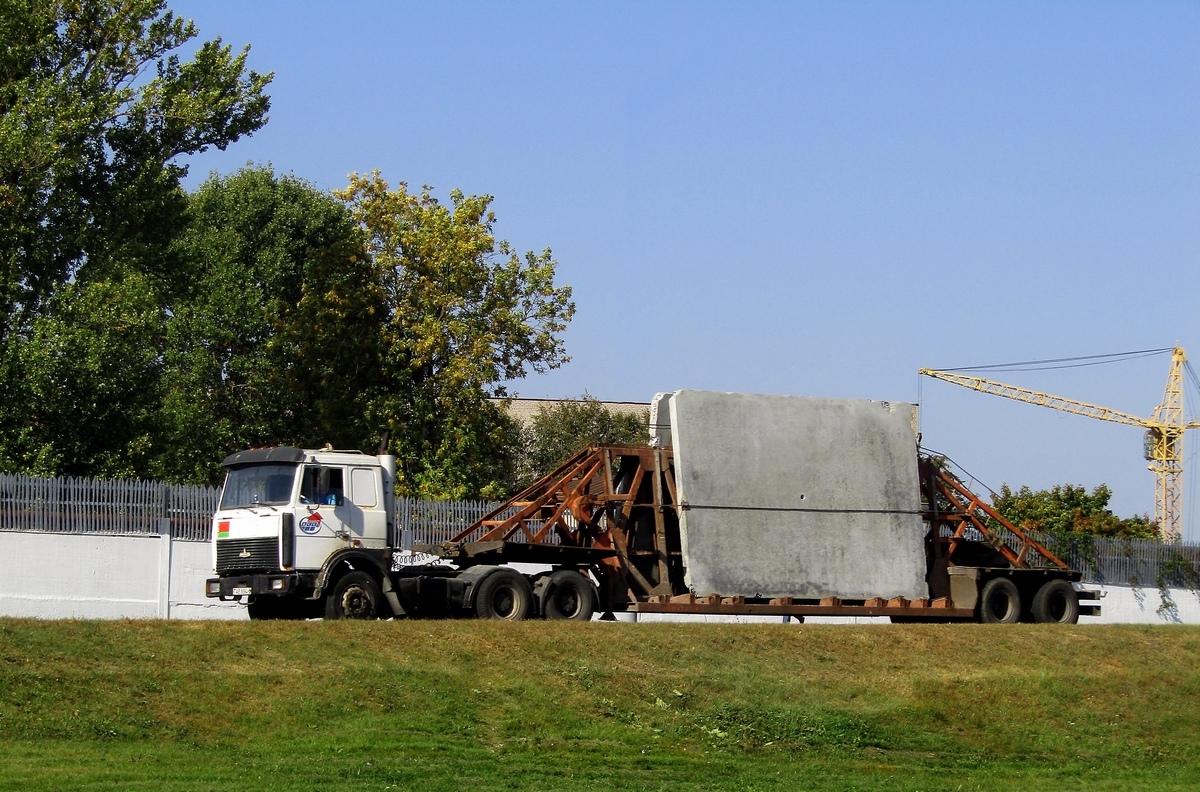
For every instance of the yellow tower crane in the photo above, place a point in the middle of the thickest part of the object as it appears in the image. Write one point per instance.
(1164, 432)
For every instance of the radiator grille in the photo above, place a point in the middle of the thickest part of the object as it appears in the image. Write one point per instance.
(245, 554)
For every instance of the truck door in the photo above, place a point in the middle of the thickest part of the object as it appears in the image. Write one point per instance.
(369, 515)
(324, 520)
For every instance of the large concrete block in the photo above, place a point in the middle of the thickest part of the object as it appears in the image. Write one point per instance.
(794, 496)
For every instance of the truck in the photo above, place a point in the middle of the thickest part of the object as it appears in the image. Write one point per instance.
(739, 505)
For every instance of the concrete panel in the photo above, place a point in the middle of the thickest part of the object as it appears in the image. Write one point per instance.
(1129, 605)
(191, 565)
(78, 576)
(794, 496)
(660, 420)
(83, 576)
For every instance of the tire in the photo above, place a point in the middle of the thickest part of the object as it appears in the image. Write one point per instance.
(1056, 603)
(354, 596)
(568, 595)
(262, 608)
(505, 595)
(1000, 602)
(288, 608)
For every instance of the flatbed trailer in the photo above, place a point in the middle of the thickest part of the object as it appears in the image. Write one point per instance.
(625, 529)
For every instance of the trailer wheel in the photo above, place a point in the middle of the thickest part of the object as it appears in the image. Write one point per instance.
(569, 595)
(999, 602)
(354, 596)
(504, 594)
(1056, 603)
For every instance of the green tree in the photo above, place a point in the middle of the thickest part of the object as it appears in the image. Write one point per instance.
(91, 372)
(276, 339)
(465, 313)
(95, 109)
(1068, 510)
(556, 432)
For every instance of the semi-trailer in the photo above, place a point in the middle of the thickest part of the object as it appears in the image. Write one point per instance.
(739, 504)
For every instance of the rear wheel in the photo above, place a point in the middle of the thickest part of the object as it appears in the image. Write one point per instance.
(999, 602)
(354, 596)
(569, 595)
(504, 594)
(1056, 603)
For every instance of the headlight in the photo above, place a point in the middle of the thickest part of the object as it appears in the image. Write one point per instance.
(214, 587)
(277, 584)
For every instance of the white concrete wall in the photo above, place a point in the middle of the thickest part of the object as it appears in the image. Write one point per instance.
(64, 576)
(1128, 605)
(81, 576)
(191, 565)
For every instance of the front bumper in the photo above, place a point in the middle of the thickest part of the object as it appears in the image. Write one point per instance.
(236, 587)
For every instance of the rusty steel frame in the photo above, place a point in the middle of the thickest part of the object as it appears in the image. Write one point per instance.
(586, 512)
(579, 505)
(967, 510)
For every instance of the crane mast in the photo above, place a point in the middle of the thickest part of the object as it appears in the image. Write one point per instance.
(1164, 431)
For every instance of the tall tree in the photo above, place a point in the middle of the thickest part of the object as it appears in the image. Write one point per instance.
(95, 109)
(276, 339)
(88, 143)
(91, 367)
(465, 313)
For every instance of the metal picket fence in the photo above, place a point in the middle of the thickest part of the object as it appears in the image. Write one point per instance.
(434, 522)
(95, 506)
(1132, 562)
(118, 507)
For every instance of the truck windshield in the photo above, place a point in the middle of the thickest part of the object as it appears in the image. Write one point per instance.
(258, 485)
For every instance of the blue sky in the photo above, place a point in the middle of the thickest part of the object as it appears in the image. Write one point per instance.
(801, 198)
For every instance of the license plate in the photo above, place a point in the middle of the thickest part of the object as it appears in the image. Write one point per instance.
(241, 591)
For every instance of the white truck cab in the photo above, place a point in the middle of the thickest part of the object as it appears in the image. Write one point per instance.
(285, 512)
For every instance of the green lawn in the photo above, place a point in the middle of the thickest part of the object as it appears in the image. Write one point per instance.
(542, 705)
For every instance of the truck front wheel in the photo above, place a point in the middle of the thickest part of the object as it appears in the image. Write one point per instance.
(264, 606)
(261, 608)
(354, 596)
(1056, 603)
(504, 594)
(999, 602)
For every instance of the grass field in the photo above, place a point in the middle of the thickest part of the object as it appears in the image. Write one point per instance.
(464, 705)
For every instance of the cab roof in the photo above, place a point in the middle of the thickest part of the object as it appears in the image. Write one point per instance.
(286, 455)
(258, 456)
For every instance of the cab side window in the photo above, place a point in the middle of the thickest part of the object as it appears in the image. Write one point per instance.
(334, 489)
(323, 486)
(362, 487)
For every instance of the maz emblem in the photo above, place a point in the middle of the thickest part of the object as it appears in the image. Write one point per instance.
(244, 554)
